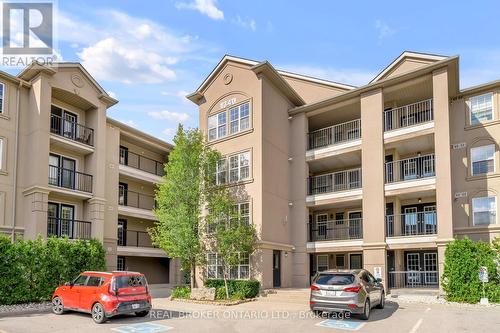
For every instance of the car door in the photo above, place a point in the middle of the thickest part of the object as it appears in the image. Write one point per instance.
(370, 288)
(377, 287)
(71, 298)
(88, 292)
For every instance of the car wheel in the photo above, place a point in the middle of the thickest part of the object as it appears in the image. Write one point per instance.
(98, 314)
(381, 304)
(57, 305)
(142, 313)
(366, 310)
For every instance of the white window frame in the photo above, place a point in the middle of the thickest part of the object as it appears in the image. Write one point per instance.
(218, 273)
(238, 209)
(214, 123)
(471, 101)
(494, 212)
(2, 98)
(488, 159)
(327, 262)
(224, 166)
(1, 153)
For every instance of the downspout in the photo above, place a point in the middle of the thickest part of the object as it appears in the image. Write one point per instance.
(16, 151)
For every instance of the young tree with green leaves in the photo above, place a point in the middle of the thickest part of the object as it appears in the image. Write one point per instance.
(226, 232)
(181, 197)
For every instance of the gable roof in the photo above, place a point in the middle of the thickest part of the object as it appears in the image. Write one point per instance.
(403, 57)
(262, 67)
(33, 69)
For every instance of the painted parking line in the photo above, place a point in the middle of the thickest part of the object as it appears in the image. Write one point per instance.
(341, 324)
(142, 328)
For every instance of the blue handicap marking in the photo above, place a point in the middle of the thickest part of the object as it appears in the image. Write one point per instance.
(142, 328)
(341, 324)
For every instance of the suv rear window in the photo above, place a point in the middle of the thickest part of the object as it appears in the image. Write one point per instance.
(335, 279)
(126, 281)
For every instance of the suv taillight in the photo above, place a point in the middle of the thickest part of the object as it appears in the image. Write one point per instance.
(353, 289)
(314, 288)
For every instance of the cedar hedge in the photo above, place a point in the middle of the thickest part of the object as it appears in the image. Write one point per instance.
(460, 279)
(238, 289)
(30, 270)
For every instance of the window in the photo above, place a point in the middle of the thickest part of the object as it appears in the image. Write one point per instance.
(238, 165)
(239, 272)
(1, 154)
(239, 120)
(241, 213)
(483, 159)
(484, 210)
(94, 281)
(322, 262)
(481, 108)
(2, 89)
(340, 261)
(120, 263)
(80, 280)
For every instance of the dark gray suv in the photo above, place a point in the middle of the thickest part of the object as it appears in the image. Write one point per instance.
(355, 291)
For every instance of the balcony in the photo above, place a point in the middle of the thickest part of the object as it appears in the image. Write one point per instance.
(334, 182)
(135, 239)
(410, 169)
(135, 199)
(70, 179)
(336, 230)
(336, 134)
(142, 163)
(72, 229)
(411, 224)
(71, 130)
(408, 115)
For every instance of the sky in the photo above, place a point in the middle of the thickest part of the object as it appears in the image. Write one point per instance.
(150, 54)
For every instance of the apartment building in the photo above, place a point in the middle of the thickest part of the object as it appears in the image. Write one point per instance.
(68, 170)
(381, 176)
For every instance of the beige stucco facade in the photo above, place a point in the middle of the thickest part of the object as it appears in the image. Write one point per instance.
(61, 164)
(378, 176)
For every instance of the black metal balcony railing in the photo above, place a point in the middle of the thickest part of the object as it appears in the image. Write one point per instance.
(410, 169)
(408, 115)
(140, 162)
(336, 230)
(137, 239)
(70, 179)
(335, 134)
(334, 182)
(413, 279)
(72, 229)
(135, 199)
(71, 130)
(411, 224)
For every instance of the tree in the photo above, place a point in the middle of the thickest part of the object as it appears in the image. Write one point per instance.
(227, 234)
(180, 198)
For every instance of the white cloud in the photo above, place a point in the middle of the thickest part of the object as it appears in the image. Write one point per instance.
(167, 115)
(112, 94)
(206, 7)
(131, 123)
(352, 76)
(119, 47)
(383, 29)
(181, 94)
(247, 24)
(169, 133)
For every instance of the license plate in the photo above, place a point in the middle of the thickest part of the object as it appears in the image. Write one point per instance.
(331, 293)
(136, 306)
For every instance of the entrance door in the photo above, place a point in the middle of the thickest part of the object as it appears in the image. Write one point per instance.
(69, 127)
(322, 226)
(390, 268)
(276, 269)
(52, 217)
(354, 225)
(122, 194)
(430, 268)
(68, 172)
(66, 223)
(410, 220)
(413, 268)
(122, 232)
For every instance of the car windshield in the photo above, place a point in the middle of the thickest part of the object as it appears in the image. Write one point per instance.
(335, 279)
(126, 281)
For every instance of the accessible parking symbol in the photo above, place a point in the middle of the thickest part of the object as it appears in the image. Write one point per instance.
(142, 328)
(341, 324)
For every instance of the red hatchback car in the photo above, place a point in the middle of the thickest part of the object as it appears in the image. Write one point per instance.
(104, 295)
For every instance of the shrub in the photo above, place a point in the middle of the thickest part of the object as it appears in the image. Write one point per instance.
(31, 270)
(239, 289)
(181, 292)
(460, 280)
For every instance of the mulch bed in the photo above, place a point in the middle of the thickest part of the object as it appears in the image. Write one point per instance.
(216, 302)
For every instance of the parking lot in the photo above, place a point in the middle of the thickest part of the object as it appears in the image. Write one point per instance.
(283, 312)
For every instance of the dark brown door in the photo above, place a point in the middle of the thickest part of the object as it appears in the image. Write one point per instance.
(276, 269)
